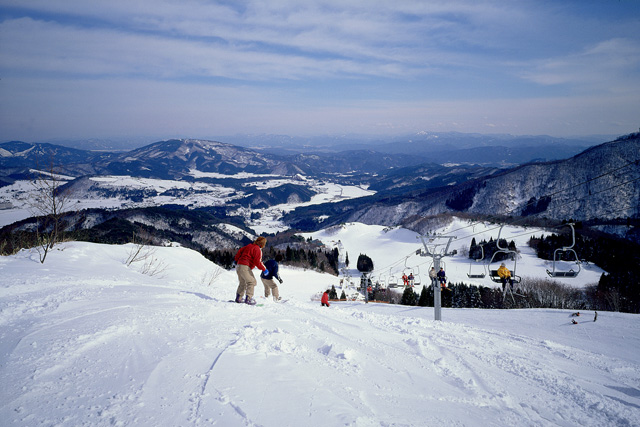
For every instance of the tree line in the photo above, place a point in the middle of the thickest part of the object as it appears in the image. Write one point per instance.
(308, 258)
(618, 257)
(530, 293)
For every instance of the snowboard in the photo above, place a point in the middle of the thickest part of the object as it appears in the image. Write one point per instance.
(257, 304)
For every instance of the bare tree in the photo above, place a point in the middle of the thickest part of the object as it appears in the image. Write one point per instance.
(210, 277)
(141, 241)
(144, 253)
(48, 203)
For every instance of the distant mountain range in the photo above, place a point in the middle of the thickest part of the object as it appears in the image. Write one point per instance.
(599, 184)
(175, 159)
(602, 182)
(438, 147)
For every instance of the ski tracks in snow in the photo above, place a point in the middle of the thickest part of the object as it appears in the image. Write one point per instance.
(162, 356)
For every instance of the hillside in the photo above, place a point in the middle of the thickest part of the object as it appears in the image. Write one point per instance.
(88, 340)
(602, 183)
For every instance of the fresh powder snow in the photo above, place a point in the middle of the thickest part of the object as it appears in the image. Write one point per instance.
(86, 339)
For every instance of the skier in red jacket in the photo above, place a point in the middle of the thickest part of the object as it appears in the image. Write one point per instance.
(325, 299)
(247, 258)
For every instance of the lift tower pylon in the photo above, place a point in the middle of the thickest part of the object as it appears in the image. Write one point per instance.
(431, 245)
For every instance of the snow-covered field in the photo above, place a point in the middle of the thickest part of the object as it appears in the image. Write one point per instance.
(14, 199)
(87, 340)
(393, 251)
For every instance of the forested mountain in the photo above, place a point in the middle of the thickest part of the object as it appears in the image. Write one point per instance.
(602, 183)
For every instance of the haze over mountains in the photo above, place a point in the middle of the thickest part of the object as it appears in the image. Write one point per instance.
(433, 146)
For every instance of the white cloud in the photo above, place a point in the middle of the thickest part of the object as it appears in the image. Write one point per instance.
(370, 37)
(286, 66)
(610, 63)
(39, 46)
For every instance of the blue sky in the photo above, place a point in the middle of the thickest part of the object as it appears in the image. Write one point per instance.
(187, 68)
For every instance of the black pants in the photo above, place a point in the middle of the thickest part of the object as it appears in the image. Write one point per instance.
(504, 282)
(325, 304)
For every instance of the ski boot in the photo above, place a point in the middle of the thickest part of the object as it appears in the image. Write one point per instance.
(250, 301)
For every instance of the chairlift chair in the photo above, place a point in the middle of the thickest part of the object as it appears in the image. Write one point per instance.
(493, 274)
(557, 256)
(416, 277)
(477, 275)
(392, 281)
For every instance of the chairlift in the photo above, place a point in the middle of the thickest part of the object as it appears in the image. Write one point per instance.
(493, 274)
(381, 282)
(557, 256)
(477, 275)
(443, 266)
(416, 277)
(392, 282)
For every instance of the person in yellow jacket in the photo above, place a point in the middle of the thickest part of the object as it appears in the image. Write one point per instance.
(505, 275)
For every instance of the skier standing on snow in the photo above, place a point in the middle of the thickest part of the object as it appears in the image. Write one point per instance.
(247, 258)
(505, 275)
(268, 278)
(325, 299)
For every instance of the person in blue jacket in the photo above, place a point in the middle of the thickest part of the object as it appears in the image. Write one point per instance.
(268, 280)
(442, 278)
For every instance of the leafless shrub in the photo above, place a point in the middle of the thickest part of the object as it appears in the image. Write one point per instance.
(613, 299)
(463, 251)
(144, 254)
(140, 250)
(152, 266)
(210, 277)
(546, 293)
(48, 203)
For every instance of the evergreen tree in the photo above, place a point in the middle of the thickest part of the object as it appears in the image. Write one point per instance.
(424, 297)
(343, 295)
(333, 294)
(475, 300)
(365, 264)
(460, 294)
(409, 297)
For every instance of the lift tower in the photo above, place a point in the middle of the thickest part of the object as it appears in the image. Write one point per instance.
(431, 245)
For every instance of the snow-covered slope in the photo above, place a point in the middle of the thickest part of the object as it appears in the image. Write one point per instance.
(87, 340)
(393, 251)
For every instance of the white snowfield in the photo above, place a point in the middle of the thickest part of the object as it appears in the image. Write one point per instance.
(86, 340)
(393, 251)
(15, 198)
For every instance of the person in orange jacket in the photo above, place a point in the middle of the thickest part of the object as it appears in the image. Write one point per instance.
(248, 258)
(325, 299)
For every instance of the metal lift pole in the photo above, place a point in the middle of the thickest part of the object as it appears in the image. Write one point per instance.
(437, 256)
